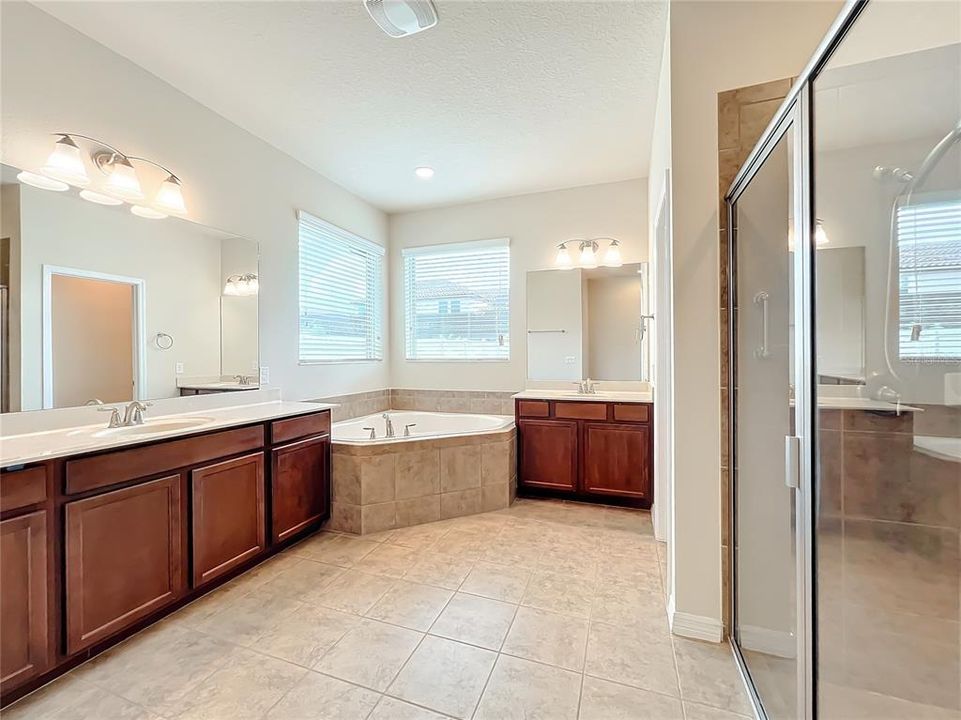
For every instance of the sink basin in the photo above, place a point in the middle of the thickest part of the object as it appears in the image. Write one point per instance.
(153, 427)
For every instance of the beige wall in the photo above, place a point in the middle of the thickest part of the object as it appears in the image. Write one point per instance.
(714, 46)
(614, 309)
(535, 223)
(232, 180)
(92, 349)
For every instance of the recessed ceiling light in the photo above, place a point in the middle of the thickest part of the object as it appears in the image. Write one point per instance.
(424, 172)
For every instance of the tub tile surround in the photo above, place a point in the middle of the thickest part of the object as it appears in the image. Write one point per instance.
(416, 625)
(387, 486)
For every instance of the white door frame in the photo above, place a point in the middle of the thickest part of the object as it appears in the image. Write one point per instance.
(663, 369)
(138, 329)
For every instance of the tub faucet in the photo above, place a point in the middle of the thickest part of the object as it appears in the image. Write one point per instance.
(373, 435)
(407, 428)
(390, 425)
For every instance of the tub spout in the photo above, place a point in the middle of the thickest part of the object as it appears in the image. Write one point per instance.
(390, 425)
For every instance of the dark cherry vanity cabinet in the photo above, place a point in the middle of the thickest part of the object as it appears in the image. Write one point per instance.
(590, 450)
(95, 547)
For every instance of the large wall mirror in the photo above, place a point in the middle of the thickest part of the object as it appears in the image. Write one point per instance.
(101, 305)
(588, 323)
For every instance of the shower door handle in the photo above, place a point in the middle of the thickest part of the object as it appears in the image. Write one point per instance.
(792, 461)
(762, 299)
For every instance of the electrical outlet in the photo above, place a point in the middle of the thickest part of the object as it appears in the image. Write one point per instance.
(265, 375)
(179, 368)
(569, 360)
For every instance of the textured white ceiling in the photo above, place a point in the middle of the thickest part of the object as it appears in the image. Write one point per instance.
(500, 98)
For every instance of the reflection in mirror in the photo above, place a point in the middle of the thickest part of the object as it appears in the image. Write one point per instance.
(840, 334)
(101, 305)
(587, 324)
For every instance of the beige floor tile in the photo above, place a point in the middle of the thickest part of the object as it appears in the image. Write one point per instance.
(303, 636)
(498, 582)
(304, 581)
(388, 559)
(419, 537)
(334, 549)
(567, 560)
(355, 592)
(371, 654)
(214, 601)
(444, 675)
(320, 697)
(620, 605)
(475, 620)
(845, 703)
(247, 686)
(633, 657)
(243, 620)
(547, 637)
(391, 709)
(603, 700)
(440, 570)
(523, 690)
(696, 711)
(411, 605)
(74, 699)
(708, 675)
(565, 594)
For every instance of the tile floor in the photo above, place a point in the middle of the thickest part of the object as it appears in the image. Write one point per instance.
(545, 611)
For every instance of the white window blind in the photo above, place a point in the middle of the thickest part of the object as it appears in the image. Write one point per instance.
(457, 301)
(929, 251)
(341, 294)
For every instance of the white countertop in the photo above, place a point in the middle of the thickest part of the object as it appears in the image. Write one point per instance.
(627, 396)
(860, 403)
(44, 445)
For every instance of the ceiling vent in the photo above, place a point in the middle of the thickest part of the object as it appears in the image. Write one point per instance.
(399, 18)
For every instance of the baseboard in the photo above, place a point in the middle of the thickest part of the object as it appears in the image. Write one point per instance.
(769, 642)
(697, 627)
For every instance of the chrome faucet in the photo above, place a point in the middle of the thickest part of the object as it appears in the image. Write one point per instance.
(115, 420)
(134, 413)
(390, 425)
(242, 379)
(587, 387)
(373, 435)
(407, 428)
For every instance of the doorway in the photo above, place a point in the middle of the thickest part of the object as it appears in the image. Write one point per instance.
(92, 337)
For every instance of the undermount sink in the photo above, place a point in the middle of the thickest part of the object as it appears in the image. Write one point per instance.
(152, 427)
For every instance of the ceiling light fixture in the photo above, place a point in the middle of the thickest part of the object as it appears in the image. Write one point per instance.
(42, 182)
(66, 163)
(424, 172)
(66, 166)
(399, 18)
(242, 285)
(99, 198)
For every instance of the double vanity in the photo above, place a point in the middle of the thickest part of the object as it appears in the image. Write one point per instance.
(104, 530)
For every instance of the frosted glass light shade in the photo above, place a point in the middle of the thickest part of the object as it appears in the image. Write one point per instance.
(563, 259)
(588, 257)
(612, 258)
(42, 182)
(170, 197)
(242, 285)
(66, 163)
(122, 181)
(820, 234)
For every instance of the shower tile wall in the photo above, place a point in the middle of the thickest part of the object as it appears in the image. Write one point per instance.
(889, 563)
(742, 116)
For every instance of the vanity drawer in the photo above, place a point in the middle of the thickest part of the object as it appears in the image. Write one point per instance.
(632, 413)
(298, 427)
(99, 471)
(22, 488)
(580, 410)
(533, 408)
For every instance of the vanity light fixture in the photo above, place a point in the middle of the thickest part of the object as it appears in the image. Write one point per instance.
(243, 285)
(99, 198)
(588, 254)
(42, 181)
(820, 234)
(612, 258)
(66, 166)
(424, 172)
(66, 163)
(563, 259)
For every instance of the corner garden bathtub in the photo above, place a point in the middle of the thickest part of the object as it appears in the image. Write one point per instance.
(452, 464)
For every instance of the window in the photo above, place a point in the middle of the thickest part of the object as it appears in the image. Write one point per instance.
(457, 301)
(341, 294)
(929, 249)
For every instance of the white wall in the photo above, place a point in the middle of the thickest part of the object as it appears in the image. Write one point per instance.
(714, 46)
(614, 347)
(232, 180)
(535, 223)
(555, 302)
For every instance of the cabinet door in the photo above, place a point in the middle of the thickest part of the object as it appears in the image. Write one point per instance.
(228, 515)
(299, 485)
(548, 454)
(123, 558)
(617, 460)
(24, 648)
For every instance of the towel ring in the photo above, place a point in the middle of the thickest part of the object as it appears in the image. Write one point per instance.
(164, 341)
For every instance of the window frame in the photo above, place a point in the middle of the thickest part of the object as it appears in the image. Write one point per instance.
(360, 244)
(453, 247)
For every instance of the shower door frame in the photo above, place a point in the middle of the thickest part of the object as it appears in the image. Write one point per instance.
(797, 110)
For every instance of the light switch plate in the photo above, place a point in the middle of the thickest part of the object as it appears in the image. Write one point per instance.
(569, 360)
(179, 368)
(264, 375)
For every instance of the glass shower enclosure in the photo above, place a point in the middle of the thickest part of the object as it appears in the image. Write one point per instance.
(845, 377)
